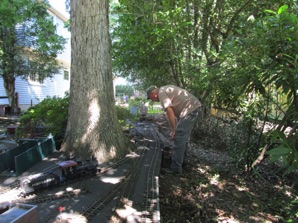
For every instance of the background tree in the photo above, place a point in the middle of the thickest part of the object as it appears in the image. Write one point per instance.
(124, 90)
(179, 42)
(28, 43)
(230, 54)
(93, 128)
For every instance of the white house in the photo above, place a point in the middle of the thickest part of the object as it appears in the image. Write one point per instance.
(30, 92)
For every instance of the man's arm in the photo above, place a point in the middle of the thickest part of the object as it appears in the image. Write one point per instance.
(172, 120)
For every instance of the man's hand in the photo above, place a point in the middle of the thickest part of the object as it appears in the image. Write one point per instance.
(172, 135)
(172, 121)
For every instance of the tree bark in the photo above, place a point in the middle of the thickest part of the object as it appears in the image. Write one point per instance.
(9, 85)
(93, 128)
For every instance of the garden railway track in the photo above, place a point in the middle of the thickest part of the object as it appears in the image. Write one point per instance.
(138, 188)
(15, 185)
(149, 207)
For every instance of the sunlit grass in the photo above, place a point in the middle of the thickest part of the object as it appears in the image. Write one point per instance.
(154, 111)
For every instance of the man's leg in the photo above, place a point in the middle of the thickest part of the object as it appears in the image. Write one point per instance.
(183, 131)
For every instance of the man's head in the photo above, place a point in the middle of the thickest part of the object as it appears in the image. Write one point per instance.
(152, 93)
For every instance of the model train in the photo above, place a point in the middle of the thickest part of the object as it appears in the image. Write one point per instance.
(68, 170)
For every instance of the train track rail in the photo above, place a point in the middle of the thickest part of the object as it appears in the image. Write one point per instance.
(149, 145)
(151, 210)
(51, 197)
(125, 189)
(100, 203)
(16, 184)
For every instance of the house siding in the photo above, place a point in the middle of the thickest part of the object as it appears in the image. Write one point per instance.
(30, 93)
(33, 93)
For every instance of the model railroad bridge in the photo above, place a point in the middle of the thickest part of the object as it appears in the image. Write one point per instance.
(125, 190)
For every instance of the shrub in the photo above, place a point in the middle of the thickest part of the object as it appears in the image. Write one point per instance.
(47, 117)
(123, 114)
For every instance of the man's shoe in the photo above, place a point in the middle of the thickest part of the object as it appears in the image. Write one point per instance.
(169, 171)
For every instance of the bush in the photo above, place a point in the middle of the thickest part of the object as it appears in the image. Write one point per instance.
(123, 114)
(49, 116)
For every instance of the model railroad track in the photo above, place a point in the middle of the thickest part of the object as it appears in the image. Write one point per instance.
(151, 211)
(100, 203)
(126, 187)
(51, 197)
(114, 165)
(151, 203)
(9, 187)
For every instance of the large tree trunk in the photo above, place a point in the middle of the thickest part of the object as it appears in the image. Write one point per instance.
(93, 128)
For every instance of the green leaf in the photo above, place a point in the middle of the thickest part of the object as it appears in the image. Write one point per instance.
(280, 151)
(292, 168)
(270, 11)
(274, 158)
(282, 9)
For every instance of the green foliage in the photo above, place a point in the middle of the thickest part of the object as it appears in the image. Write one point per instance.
(125, 117)
(50, 114)
(122, 114)
(26, 24)
(243, 142)
(189, 44)
(284, 150)
(292, 211)
(149, 39)
(134, 101)
(258, 78)
(124, 90)
(283, 36)
(152, 111)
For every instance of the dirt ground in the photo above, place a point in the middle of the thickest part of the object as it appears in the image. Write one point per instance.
(212, 189)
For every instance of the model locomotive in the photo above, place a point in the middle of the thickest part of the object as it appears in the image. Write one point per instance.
(68, 170)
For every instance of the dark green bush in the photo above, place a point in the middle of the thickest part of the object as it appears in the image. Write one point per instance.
(123, 114)
(49, 116)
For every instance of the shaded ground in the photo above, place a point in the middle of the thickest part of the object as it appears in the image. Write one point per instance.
(211, 189)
